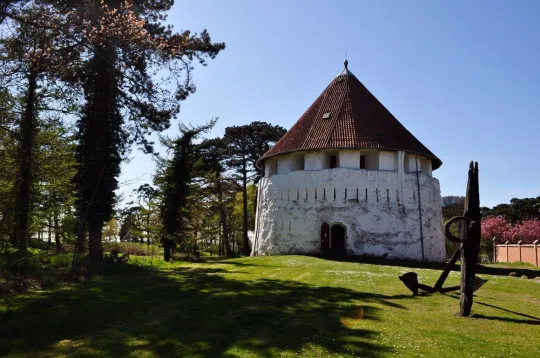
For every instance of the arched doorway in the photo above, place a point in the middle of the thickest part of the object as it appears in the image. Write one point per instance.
(337, 236)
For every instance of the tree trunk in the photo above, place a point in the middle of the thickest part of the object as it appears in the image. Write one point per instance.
(27, 134)
(95, 249)
(57, 231)
(244, 197)
(49, 231)
(195, 244)
(79, 245)
(220, 241)
(224, 226)
(4, 229)
(148, 227)
(167, 245)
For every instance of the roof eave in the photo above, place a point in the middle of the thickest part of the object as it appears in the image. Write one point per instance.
(435, 162)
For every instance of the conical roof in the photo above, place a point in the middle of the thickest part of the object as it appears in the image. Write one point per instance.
(347, 115)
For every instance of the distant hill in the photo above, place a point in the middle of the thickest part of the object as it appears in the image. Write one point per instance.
(450, 200)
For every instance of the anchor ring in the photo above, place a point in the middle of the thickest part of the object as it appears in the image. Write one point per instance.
(447, 232)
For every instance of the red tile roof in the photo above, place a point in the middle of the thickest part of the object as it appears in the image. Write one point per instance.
(356, 120)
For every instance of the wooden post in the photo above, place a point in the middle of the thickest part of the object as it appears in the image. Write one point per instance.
(536, 251)
(494, 249)
(471, 241)
(506, 243)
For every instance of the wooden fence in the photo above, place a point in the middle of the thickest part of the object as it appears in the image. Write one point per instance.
(529, 253)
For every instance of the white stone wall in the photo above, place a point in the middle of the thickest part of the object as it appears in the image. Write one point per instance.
(378, 208)
(314, 160)
(297, 161)
(387, 160)
(372, 159)
(270, 167)
(284, 164)
(349, 159)
(410, 164)
(426, 166)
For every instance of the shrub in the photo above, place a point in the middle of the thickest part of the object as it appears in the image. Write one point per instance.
(115, 257)
(133, 248)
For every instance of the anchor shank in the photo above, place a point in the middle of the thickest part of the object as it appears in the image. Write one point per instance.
(447, 269)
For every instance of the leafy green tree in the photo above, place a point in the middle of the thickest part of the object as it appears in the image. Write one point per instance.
(517, 211)
(210, 168)
(23, 54)
(238, 206)
(55, 169)
(8, 164)
(174, 178)
(449, 211)
(246, 144)
(33, 59)
(148, 200)
(111, 231)
(130, 227)
(126, 43)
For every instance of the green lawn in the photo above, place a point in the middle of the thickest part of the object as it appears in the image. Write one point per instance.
(269, 307)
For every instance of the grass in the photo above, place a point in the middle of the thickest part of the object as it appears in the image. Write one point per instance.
(268, 307)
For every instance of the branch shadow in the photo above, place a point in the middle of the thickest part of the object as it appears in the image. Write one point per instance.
(193, 312)
(532, 320)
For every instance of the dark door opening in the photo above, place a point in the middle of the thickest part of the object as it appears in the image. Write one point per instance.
(325, 231)
(333, 161)
(337, 238)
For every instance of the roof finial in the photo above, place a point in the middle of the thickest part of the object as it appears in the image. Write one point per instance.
(346, 63)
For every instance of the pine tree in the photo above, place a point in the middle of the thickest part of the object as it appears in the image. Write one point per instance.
(174, 178)
(126, 42)
(246, 144)
(33, 60)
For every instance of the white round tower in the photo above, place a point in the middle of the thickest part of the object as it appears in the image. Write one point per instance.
(349, 179)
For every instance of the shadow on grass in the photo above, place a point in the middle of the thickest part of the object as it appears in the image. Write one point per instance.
(481, 269)
(532, 320)
(193, 312)
(508, 319)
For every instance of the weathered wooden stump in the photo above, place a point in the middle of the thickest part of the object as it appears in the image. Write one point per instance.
(470, 241)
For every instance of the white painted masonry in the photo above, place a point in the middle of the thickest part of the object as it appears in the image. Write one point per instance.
(284, 164)
(349, 159)
(387, 160)
(314, 160)
(372, 159)
(379, 208)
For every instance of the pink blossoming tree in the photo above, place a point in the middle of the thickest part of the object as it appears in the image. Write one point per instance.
(496, 226)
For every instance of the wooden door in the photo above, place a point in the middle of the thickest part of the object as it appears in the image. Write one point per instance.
(325, 233)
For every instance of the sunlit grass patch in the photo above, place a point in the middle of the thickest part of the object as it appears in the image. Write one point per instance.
(282, 306)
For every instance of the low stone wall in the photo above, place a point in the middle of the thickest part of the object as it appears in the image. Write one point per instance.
(528, 253)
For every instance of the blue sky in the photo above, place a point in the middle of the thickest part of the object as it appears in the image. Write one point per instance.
(462, 76)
